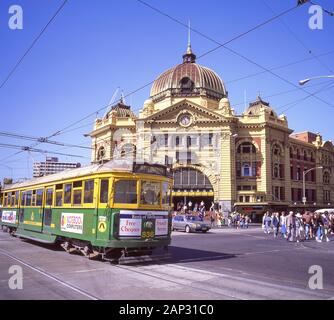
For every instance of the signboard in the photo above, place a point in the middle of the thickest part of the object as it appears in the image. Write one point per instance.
(161, 227)
(144, 224)
(130, 227)
(72, 222)
(9, 217)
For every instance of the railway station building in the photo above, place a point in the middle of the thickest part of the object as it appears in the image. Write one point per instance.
(250, 161)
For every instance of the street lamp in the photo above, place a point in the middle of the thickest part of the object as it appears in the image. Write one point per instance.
(303, 82)
(304, 188)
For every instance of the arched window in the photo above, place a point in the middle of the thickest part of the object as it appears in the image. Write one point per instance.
(298, 154)
(305, 155)
(101, 154)
(247, 162)
(326, 178)
(186, 85)
(246, 148)
(277, 162)
(291, 153)
(191, 179)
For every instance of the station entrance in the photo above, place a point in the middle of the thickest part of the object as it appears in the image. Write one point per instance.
(191, 185)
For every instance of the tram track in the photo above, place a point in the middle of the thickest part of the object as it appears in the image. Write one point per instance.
(49, 275)
(228, 286)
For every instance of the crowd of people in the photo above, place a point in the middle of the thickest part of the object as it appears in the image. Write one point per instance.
(299, 227)
(217, 219)
(238, 221)
(199, 209)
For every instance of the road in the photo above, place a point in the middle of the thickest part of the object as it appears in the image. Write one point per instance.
(222, 264)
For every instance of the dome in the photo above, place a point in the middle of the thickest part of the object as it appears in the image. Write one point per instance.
(121, 110)
(259, 106)
(188, 79)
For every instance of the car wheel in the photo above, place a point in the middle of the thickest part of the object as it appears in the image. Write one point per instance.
(188, 230)
(204, 231)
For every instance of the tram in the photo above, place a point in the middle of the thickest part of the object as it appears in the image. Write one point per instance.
(119, 211)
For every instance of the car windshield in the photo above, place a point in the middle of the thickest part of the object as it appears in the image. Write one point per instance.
(193, 218)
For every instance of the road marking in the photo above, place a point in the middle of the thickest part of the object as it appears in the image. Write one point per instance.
(148, 273)
(65, 284)
(226, 256)
(252, 281)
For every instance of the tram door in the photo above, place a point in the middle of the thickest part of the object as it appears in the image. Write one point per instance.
(34, 210)
(47, 210)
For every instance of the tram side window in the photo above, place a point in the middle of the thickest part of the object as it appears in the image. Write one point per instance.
(166, 193)
(126, 192)
(39, 197)
(77, 192)
(17, 198)
(12, 202)
(89, 191)
(33, 199)
(59, 195)
(104, 195)
(49, 197)
(23, 197)
(67, 193)
(28, 198)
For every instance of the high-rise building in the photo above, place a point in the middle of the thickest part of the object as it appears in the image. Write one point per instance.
(51, 166)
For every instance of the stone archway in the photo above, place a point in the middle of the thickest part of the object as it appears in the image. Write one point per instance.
(193, 185)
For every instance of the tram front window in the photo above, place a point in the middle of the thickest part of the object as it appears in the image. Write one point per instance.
(126, 192)
(150, 193)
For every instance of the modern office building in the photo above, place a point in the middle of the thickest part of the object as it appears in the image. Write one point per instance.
(51, 166)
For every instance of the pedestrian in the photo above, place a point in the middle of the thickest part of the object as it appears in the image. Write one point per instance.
(325, 226)
(229, 221)
(219, 220)
(247, 221)
(291, 226)
(267, 223)
(275, 223)
(263, 221)
(299, 227)
(283, 225)
(307, 219)
(212, 219)
(317, 221)
(190, 205)
(212, 208)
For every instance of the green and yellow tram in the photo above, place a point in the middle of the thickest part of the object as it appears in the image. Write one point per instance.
(117, 210)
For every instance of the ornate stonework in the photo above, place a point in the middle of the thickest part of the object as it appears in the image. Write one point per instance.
(249, 161)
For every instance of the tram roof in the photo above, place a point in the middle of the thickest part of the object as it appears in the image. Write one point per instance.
(111, 166)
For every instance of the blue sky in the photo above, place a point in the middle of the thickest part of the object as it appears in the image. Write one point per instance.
(93, 47)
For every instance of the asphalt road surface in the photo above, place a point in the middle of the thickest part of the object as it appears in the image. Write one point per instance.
(222, 264)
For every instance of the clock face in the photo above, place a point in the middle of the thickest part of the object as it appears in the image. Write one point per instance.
(185, 120)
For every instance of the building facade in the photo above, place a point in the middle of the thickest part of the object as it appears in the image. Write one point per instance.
(251, 161)
(51, 166)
